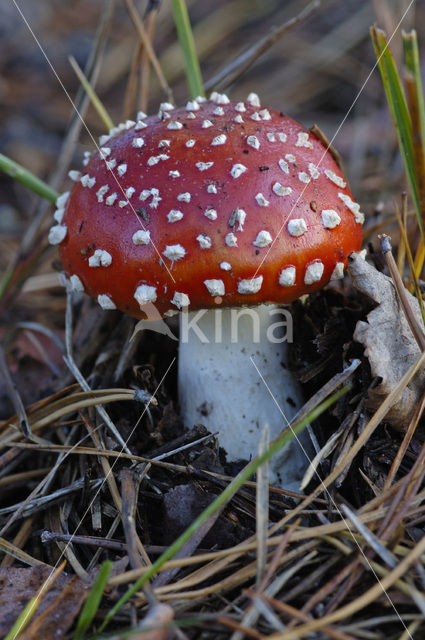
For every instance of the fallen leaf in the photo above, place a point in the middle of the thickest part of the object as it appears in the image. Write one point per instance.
(388, 341)
(59, 607)
(182, 505)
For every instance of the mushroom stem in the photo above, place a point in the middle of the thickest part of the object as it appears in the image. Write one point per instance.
(234, 380)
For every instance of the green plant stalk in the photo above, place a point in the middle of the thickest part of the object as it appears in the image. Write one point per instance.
(400, 113)
(23, 619)
(19, 173)
(191, 62)
(223, 498)
(415, 99)
(417, 138)
(412, 62)
(92, 603)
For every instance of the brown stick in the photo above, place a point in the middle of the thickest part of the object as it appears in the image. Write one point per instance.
(414, 325)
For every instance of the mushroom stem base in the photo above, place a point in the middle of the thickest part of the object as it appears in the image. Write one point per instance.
(233, 379)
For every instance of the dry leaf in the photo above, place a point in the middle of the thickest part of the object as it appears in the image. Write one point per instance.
(58, 608)
(388, 341)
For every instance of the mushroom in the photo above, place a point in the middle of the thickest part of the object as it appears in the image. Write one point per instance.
(221, 211)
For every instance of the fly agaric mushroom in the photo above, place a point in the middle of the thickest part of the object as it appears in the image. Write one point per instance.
(213, 206)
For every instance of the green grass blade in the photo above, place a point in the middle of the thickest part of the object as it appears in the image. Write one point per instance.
(23, 619)
(223, 498)
(19, 173)
(412, 62)
(191, 62)
(92, 603)
(415, 99)
(399, 111)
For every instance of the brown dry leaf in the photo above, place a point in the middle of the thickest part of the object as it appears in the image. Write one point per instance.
(388, 341)
(58, 608)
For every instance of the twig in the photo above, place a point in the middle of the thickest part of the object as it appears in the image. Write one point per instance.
(146, 65)
(97, 104)
(56, 518)
(69, 361)
(104, 543)
(239, 628)
(15, 552)
(138, 23)
(414, 325)
(39, 504)
(79, 450)
(370, 537)
(95, 559)
(130, 94)
(14, 396)
(252, 614)
(239, 66)
(266, 611)
(299, 615)
(262, 506)
(405, 443)
(332, 384)
(23, 476)
(407, 489)
(106, 467)
(129, 490)
(94, 541)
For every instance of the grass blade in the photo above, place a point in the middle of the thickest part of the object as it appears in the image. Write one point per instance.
(415, 98)
(191, 62)
(92, 603)
(23, 619)
(412, 63)
(19, 173)
(399, 111)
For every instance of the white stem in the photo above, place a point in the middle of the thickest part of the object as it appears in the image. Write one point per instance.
(220, 386)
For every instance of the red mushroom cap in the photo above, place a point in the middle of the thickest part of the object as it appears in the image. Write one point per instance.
(213, 203)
